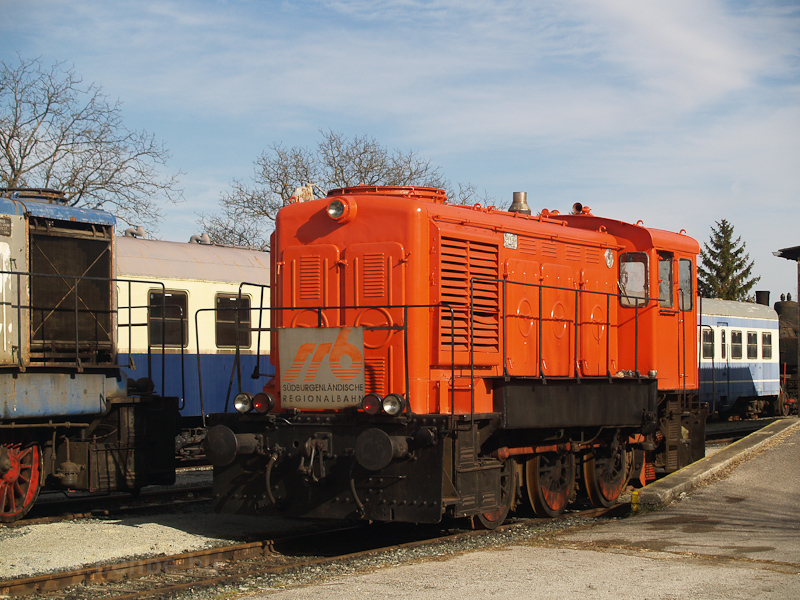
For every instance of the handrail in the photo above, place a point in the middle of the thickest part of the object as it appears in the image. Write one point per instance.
(403, 327)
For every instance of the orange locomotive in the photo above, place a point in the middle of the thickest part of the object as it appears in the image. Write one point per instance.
(436, 360)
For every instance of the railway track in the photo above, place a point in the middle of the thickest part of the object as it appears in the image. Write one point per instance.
(730, 431)
(267, 560)
(264, 562)
(59, 506)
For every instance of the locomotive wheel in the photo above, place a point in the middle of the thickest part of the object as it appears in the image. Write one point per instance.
(494, 518)
(783, 407)
(20, 473)
(550, 479)
(605, 474)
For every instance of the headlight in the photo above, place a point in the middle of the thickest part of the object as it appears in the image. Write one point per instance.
(335, 209)
(264, 402)
(342, 210)
(394, 404)
(243, 402)
(371, 404)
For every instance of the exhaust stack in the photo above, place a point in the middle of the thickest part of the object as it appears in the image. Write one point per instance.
(520, 204)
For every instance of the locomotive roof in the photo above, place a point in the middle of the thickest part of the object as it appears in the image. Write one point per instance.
(17, 205)
(731, 308)
(658, 238)
(155, 259)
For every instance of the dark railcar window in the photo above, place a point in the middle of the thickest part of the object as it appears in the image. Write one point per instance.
(752, 345)
(708, 343)
(227, 306)
(766, 345)
(736, 344)
(172, 315)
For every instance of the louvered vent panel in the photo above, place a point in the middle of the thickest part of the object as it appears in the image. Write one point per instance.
(526, 245)
(374, 275)
(310, 284)
(549, 249)
(572, 253)
(592, 256)
(462, 261)
(375, 375)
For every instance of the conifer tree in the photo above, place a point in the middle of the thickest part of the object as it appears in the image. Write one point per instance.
(725, 269)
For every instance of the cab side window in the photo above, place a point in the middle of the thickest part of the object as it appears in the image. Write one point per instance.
(665, 279)
(685, 284)
(633, 286)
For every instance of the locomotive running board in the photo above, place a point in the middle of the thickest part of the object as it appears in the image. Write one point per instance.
(525, 403)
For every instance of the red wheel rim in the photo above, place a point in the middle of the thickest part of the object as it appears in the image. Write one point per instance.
(605, 475)
(19, 485)
(550, 478)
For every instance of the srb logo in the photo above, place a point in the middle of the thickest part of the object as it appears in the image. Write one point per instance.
(344, 359)
(321, 367)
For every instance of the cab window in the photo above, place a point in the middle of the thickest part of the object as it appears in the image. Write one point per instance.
(633, 286)
(685, 284)
(665, 279)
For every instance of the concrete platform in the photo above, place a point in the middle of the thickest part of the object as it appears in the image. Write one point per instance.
(664, 491)
(736, 537)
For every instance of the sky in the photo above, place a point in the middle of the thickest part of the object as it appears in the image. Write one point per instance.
(677, 113)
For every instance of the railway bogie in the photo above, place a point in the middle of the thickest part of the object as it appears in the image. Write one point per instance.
(436, 360)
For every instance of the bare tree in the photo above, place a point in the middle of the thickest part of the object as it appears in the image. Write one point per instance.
(248, 211)
(57, 133)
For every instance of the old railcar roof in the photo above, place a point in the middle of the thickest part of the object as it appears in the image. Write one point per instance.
(57, 212)
(731, 308)
(157, 260)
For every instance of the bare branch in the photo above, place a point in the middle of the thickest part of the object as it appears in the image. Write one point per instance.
(57, 133)
(249, 210)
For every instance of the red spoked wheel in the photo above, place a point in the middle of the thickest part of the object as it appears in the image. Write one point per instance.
(20, 474)
(605, 474)
(494, 518)
(550, 479)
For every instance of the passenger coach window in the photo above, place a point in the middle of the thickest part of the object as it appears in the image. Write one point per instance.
(633, 279)
(766, 346)
(736, 344)
(175, 322)
(227, 306)
(665, 279)
(752, 345)
(722, 346)
(685, 284)
(708, 343)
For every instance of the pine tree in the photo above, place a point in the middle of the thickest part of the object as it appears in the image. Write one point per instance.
(725, 269)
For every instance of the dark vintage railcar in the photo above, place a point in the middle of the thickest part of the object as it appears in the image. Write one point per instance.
(437, 360)
(69, 419)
